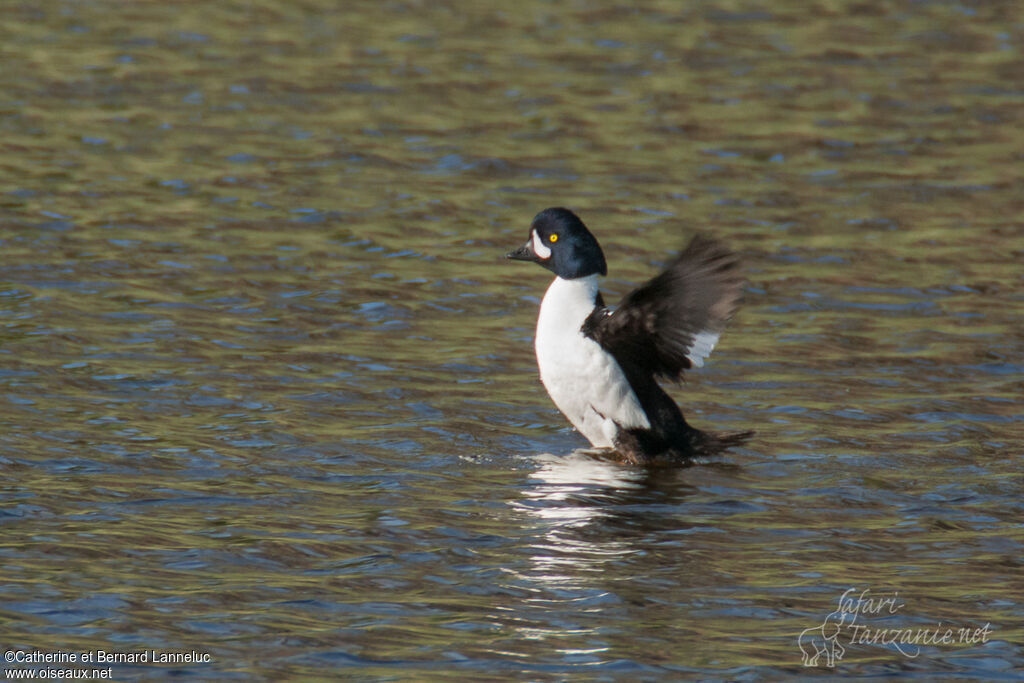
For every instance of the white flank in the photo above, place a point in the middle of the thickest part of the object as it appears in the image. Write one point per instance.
(584, 380)
(539, 248)
(701, 348)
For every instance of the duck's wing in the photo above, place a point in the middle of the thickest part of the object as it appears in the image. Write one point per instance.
(672, 322)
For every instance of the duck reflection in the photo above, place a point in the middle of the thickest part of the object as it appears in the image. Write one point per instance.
(593, 484)
(592, 527)
(591, 510)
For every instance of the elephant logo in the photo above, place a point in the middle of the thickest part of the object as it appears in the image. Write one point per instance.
(823, 640)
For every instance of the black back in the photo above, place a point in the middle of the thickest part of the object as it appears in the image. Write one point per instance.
(653, 330)
(656, 325)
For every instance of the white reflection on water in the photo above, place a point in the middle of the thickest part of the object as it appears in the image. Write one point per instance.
(578, 488)
(573, 495)
(580, 469)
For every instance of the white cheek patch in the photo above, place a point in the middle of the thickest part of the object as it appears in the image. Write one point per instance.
(539, 247)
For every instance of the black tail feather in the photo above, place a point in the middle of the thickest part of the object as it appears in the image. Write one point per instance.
(707, 443)
(643, 447)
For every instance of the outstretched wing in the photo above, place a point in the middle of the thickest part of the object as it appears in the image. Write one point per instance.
(673, 322)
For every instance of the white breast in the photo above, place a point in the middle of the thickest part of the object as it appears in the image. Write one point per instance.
(584, 380)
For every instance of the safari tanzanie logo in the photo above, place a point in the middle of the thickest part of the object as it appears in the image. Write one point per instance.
(864, 619)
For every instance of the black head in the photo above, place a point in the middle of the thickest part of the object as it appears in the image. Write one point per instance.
(561, 243)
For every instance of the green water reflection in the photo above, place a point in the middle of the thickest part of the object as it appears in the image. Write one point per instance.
(268, 388)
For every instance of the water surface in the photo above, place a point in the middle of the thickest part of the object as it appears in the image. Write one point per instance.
(268, 386)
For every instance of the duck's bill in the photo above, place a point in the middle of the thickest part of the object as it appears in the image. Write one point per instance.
(523, 253)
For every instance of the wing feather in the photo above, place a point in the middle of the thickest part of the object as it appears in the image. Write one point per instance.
(672, 322)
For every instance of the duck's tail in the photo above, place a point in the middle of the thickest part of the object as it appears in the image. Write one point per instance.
(643, 447)
(706, 443)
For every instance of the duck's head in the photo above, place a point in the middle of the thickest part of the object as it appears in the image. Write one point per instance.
(560, 242)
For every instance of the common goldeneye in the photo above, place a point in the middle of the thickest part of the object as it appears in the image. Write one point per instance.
(601, 365)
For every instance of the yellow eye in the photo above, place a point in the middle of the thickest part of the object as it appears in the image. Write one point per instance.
(553, 238)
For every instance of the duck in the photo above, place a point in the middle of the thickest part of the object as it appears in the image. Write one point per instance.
(601, 366)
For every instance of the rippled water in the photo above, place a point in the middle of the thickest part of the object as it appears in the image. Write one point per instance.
(268, 387)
